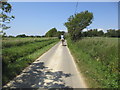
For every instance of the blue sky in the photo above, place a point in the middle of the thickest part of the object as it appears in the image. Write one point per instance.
(36, 18)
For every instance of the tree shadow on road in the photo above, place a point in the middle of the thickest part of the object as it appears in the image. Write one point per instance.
(39, 76)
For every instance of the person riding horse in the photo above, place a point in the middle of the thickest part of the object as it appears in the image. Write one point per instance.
(62, 39)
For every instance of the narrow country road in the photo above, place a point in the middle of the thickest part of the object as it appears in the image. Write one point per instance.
(54, 69)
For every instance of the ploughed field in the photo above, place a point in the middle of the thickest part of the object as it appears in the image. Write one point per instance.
(97, 58)
(18, 53)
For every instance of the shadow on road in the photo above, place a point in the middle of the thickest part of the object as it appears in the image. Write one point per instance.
(39, 76)
(64, 45)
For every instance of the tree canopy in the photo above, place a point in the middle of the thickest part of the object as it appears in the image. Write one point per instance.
(54, 33)
(93, 33)
(112, 33)
(100, 33)
(6, 8)
(76, 23)
(51, 33)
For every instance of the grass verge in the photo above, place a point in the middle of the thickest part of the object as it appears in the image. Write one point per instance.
(97, 59)
(10, 70)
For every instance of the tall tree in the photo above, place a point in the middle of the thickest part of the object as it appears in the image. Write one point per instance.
(76, 23)
(112, 33)
(5, 18)
(100, 33)
(51, 33)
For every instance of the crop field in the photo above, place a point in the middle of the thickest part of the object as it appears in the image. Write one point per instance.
(97, 59)
(10, 42)
(18, 53)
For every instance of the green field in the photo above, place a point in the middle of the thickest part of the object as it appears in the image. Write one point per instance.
(97, 59)
(18, 53)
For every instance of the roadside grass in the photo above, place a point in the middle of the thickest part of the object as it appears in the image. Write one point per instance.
(10, 42)
(97, 59)
(15, 52)
(11, 69)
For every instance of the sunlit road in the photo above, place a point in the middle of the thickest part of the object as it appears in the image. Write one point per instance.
(54, 69)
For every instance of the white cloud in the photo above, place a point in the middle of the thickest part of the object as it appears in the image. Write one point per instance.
(84, 30)
(63, 30)
(100, 29)
(104, 30)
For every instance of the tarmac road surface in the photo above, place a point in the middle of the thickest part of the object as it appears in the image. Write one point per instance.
(54, 69)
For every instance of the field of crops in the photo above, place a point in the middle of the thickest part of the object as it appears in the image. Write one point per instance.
(97, 59)
(18, 53)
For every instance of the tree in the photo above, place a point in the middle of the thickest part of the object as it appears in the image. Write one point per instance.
(118, 33)
(100, 33)
(6, 8)
(111, 33)
(51, 33)
(76, 23)
(22, 35)
(93, 33)
(85, 34)
(89, 33)
(59, 33)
